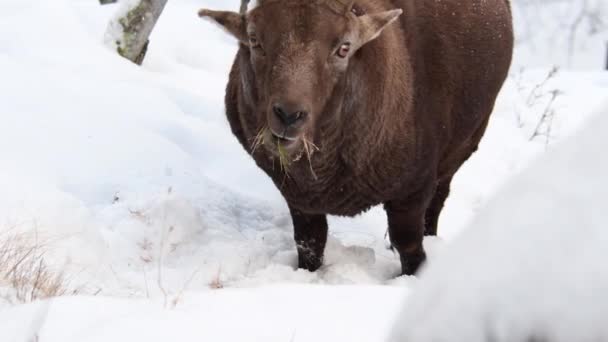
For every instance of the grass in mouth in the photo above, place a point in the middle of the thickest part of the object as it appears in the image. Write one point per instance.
(309, 149)
(258, 140)
(284, 160)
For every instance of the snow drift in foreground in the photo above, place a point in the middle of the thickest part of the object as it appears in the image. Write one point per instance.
(533, 266)
(297, 313)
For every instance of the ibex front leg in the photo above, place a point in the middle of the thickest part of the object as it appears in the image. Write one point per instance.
(310, 233)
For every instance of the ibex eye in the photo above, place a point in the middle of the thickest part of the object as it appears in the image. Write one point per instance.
(253, 41)
(343, 50)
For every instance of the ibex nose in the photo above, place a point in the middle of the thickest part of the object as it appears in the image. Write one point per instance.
(288, 115)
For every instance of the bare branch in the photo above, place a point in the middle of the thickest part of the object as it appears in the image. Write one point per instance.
(535, 93)
(545, 124)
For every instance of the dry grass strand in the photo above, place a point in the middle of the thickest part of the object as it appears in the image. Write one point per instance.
(23, 268)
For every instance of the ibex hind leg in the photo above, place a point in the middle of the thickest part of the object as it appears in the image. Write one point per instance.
(406, 227)
(442, 191)
(434, 210)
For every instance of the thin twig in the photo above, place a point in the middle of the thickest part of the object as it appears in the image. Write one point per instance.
(546, 119)
(535, 93)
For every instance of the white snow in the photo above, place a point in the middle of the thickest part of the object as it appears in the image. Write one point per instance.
(272, 313)
(569, 33)
(130, 178)
(533, 264)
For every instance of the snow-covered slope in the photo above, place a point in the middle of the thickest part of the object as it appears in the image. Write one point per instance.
(532, 267)
(131, 184)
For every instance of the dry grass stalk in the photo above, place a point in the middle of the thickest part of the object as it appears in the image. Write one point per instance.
(284, 161)
(309, 149)
(259, 139)
(23, 268)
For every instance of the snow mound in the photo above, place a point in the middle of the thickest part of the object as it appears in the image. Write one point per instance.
(533, 265)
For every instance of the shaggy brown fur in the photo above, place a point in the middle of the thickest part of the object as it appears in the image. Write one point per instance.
(345, 109)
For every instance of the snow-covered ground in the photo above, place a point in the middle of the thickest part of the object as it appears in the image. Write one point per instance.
(131, 183)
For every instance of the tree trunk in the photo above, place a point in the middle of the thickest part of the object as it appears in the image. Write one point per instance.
(244, 4)
(606, 55)
(136, 26)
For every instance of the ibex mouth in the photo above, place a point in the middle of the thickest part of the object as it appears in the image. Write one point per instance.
(284, 138)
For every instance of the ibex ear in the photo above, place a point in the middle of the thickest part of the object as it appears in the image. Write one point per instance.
(349, 6)
(371, 25)
(232, 22)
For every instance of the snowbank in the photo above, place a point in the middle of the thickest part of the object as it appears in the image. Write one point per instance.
(533, 265)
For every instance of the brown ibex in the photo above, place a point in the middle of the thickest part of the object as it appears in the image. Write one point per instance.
(350, 105)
